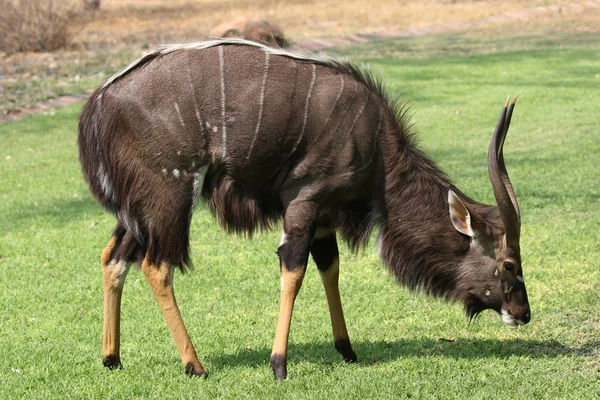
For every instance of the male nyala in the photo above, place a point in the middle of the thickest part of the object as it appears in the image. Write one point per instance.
(263, 135)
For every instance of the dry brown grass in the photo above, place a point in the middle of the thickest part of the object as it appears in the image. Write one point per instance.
(153, 21)
(34, 25)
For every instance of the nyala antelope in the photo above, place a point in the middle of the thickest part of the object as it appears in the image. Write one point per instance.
(263, 135)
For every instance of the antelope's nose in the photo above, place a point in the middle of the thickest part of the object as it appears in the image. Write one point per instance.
(522, 314)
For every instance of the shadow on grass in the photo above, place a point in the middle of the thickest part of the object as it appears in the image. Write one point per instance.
(381, 351)
(56, 213)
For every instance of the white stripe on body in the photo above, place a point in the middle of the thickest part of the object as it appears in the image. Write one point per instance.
(375, 146)
(345, 112)
(359, 114)
(179, 114)
(262, 101)
(310, 89)
(337, 99)
(342, 118)
(196, 110)
(222, 75)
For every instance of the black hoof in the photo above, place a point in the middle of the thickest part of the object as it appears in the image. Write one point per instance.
(345, 349)
(189, 370)
(112, 362)
(351, 358)
(279, 367)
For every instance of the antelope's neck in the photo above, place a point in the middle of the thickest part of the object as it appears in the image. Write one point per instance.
(418, 242)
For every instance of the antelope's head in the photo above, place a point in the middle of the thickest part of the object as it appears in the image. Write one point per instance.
(491, 275)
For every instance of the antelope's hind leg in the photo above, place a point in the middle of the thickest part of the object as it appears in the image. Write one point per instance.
(325, 253)
(116, 261)
(160, 278)
(168, 248)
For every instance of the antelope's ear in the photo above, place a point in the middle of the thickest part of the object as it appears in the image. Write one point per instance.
(459, 215)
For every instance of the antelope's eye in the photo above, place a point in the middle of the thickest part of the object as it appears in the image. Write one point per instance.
(508, 266)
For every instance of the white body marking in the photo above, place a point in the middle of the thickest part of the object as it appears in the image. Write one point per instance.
(262, 102)
(164, 171)
(310, 89)
(197, 112)
(198, 183)
(121, 268)
(359, 114)
(176, 173)
(222, 75)
(337, 99)
(375, 146)
(496, 272)
(107, 187)
(131, 224)
(508, 319)
(284, 239)
(487, 292)
(179, 114)
(215, 129)
(520, 278)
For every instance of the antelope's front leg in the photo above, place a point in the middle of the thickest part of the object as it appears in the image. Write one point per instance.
(324, 251)
(293, 257)
(160, 278)
(292, 274)
(114, 272)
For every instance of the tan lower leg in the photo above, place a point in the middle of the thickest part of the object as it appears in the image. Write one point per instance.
(160, 279)
(291, 281)
(330, 280)
(114, 274)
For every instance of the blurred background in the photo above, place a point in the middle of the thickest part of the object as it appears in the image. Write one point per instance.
(51, 48)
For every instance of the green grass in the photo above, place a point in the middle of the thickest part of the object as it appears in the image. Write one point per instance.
(52, 233)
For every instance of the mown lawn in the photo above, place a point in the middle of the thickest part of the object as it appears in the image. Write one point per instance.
(52, 233)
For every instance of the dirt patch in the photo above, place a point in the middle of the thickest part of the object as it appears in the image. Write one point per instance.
(47, 106)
